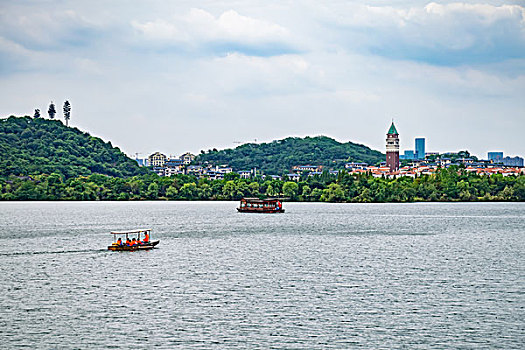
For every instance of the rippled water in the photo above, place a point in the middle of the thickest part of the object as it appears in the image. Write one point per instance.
(319, 276)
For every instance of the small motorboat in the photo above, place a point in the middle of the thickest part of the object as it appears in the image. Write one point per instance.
(145, 244)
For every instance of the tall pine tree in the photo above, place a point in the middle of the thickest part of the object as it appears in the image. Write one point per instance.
(67, 112)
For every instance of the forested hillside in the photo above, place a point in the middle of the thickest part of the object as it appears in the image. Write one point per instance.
(279, 156)
(31, 146)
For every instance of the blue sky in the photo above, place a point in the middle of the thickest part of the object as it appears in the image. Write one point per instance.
(190, 75)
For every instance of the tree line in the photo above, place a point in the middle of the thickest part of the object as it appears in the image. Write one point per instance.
(452, 184)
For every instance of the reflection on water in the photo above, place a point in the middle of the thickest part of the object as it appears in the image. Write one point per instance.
(319, 276)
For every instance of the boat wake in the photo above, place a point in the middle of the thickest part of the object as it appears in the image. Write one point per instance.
(54, 252)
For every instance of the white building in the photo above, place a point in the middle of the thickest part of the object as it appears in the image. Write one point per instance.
(187, 158)
(157, 159)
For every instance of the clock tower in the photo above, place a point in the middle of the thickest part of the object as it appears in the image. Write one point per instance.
(392, 148)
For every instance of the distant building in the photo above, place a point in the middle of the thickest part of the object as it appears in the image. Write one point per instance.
(353, 166)
(245, 174)
(223, 169)
(392, 148)
(140, 161)
(212, 175)
(271, 177)
(514, 161)
(187, 158)
(157, 159)
(465, 160)
(194, 170)
(420, 148)
(159, 170)
(301, 168)
(294, 177)
(495, 157)
(173, 167)
(409, 155)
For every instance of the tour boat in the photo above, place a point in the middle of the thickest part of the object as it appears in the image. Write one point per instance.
(256, 205)
(123, 247)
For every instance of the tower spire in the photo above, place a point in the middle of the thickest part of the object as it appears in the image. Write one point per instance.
(392, 130)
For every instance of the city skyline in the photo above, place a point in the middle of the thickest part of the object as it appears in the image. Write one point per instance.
(186, 76)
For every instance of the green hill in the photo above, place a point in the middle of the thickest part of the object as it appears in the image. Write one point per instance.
(41, 146)
(280, 156)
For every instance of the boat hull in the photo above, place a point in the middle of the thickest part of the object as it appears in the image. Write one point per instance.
(125, 248)
(259, 210)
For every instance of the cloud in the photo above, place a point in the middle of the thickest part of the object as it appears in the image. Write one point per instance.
(46, 31)
(450, 34)
(341, 68)
(199, 30)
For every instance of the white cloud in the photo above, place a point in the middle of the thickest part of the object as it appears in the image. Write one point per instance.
(444, 34)
(199, 27)
(42, 30)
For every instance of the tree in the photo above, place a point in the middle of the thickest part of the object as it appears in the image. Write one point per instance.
(334, 193)
(229, 189)
(153, 191)
(52, 111)
(254, 189)
(306, 193)
(290, 189)
(67, 112)
(37, 113)
(188, 191)
(171, 192)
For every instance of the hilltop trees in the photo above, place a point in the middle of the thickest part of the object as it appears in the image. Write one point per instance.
(37, 113)
(52, 111)
(67, 112)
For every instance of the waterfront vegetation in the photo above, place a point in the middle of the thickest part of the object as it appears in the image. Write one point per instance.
(452, 184)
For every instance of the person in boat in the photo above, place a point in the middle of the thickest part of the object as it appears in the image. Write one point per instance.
(146, 238)
(119, 241)
(134, 241)
(128, 242)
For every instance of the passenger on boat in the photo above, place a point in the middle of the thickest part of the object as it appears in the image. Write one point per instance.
(146, 238)
(128, 242)
(119, 241)
(134, 241)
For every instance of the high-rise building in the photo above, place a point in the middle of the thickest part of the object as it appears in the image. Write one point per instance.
(420, 148)
(495, 157)
(392, 148)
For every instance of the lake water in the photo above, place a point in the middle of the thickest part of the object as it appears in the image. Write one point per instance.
(320, 276)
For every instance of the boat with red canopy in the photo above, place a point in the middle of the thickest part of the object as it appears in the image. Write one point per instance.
(144, 244)
(256, 205)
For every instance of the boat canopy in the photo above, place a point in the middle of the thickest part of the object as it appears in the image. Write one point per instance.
(130, 231)
(258, 200)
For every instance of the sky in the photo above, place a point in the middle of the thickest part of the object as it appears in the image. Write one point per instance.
(178, 76)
